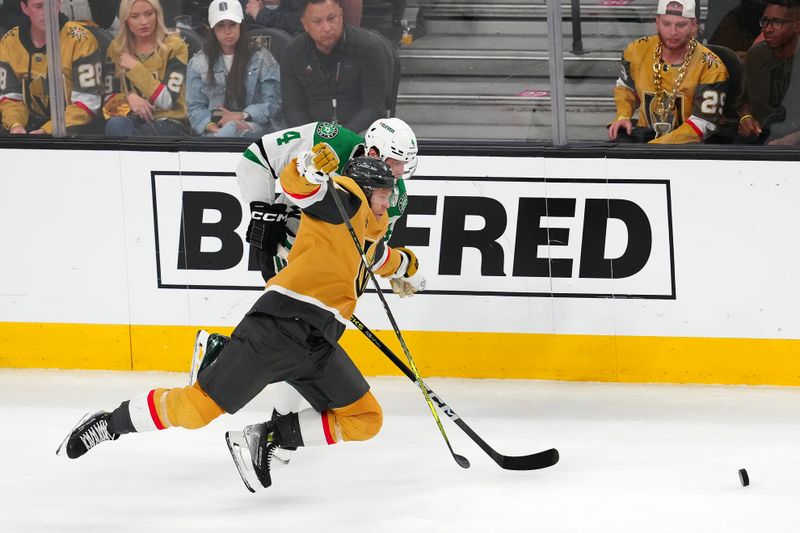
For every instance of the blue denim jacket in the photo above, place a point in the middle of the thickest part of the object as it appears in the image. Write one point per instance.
(263, 91)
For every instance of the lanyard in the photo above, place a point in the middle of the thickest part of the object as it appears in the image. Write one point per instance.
(337, 77)
(333, 90)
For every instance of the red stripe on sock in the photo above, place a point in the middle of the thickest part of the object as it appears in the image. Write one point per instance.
(327, 428)
(153, 413)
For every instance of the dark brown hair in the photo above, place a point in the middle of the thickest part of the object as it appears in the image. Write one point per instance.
(235, 86)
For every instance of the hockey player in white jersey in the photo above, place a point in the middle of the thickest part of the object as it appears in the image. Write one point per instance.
(273, 223)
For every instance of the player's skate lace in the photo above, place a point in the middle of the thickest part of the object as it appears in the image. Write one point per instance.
(90, 431)
(96, 434)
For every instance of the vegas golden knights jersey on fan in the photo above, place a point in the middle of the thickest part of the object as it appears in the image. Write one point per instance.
(700, 98)
(325, 275)
(159, 78)
(24, 94)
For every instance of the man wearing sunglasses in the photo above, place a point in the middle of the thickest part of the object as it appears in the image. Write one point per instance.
(767, 109)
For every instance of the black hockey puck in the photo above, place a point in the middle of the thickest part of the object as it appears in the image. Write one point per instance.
(744, 479)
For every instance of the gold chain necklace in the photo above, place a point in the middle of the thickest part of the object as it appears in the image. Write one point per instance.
(663, 101)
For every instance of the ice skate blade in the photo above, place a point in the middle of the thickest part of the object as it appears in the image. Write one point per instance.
(240, 452)
(62, 448)
(200, 345)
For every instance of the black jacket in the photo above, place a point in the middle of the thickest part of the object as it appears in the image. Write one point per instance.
(355, 74)
(283, 18)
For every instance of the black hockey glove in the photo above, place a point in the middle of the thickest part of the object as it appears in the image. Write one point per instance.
(267, 227)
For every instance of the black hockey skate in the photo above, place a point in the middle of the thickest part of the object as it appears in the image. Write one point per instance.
(252, 450)
(90, 431)
(282, 454)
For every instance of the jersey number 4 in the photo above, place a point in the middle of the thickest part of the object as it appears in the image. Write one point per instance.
(288, 137)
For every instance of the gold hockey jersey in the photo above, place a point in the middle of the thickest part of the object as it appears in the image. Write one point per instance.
(24, 93)
(700, 99)
(325, 275)
(159, 77)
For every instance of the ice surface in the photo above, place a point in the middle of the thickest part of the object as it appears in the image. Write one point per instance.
(634, 458)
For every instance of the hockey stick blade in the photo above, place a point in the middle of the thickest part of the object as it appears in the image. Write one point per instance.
(534, 461)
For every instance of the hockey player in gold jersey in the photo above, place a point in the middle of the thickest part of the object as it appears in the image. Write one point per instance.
(292, 332)
(145, 75)
(677, 85)
(24, 94)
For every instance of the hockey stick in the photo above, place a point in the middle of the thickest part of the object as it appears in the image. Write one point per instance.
(459, 459)
(533, 461)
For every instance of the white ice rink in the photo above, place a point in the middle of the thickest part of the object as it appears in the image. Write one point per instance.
(634, 458)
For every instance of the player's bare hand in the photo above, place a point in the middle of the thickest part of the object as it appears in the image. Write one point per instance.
(18, 130)
(749, 127)
(614, 127)
(140, 107)
(40, 131)
(127, 61)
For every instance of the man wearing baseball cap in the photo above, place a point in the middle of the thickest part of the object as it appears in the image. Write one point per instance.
(677, 85)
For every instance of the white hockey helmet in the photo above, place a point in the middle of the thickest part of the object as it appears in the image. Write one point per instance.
(392, 137)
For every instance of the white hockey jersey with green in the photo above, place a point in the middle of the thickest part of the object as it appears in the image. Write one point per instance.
(262, 162)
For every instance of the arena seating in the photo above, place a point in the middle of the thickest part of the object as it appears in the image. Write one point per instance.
(481, 69)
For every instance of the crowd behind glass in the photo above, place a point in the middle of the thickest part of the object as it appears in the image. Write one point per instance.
(132, 68)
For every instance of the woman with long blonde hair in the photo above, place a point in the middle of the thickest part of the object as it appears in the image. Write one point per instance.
(145, 74)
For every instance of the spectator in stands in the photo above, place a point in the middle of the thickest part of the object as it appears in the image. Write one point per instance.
(768, 73)
(279, 14)
(231, 90)
(24, 94)
(146, 70)
(677, 85)
(100, 12)
(352, 10)
(739, 28)
(333, 72)
(10, 14)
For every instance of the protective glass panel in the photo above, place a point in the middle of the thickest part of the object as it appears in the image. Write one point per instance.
(733, 89)
(595, 34)
(476, 70)
(26, 94)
